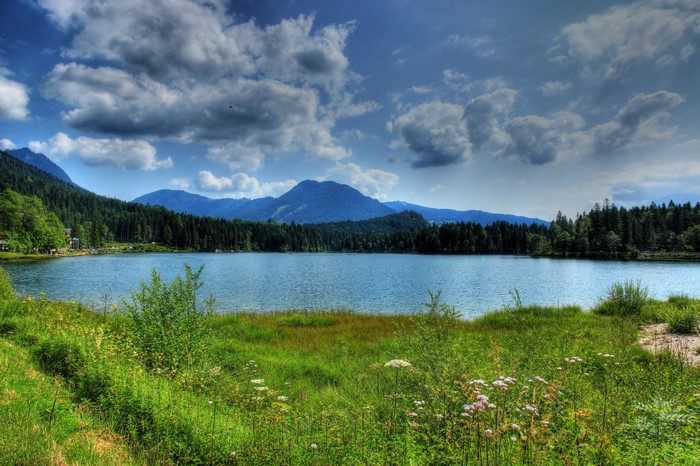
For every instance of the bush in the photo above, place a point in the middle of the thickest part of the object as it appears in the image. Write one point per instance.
(94, 384)
(6, 289)
(684, 320)
(60, 357)
(624, 299)
(170, 329)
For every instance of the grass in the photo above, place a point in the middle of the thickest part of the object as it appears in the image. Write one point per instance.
(522, 385)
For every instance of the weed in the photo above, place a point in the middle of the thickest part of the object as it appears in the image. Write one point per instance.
(624, 299)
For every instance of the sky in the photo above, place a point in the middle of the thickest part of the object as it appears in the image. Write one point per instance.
(526, 108)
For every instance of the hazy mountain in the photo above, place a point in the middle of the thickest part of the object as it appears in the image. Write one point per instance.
(315, 202)
(476, 216)
(307, 202)
(678, 199)
(39, 161)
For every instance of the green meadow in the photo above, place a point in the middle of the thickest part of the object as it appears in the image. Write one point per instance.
(161, 379)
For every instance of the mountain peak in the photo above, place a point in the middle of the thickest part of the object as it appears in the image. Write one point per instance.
(39, 161)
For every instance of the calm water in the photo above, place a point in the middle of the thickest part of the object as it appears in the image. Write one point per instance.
(376, 283)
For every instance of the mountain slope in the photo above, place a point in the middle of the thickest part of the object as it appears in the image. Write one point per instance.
(39, 161)
(307, 202)
(476, 216)
(321, 202)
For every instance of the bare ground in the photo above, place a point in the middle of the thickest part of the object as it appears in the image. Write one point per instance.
(655, 339)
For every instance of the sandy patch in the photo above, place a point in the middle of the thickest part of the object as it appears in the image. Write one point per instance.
(654, 338)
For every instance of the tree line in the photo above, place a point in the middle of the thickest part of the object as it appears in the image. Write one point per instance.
(604, 231)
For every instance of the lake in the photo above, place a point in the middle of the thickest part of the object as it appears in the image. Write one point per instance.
(373, 283)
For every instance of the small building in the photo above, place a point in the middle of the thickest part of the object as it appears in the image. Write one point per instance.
(4, 246)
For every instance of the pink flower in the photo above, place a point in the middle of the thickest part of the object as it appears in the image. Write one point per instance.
(488, 432)
(313, 446)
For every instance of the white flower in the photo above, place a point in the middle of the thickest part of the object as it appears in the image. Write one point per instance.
(257, 381)
(397, 363)
(282, 398)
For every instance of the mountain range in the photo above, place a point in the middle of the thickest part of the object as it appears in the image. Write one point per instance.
(308, 202)
(316, 202)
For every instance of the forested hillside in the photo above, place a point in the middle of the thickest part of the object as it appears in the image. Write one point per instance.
(605, 231)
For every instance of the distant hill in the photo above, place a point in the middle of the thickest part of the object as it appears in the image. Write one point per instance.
(316, 202)
(440, 216)
(39, 161)
(308, 202)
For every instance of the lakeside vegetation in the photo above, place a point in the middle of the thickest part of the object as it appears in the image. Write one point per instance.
(606, 231)
(525, 384)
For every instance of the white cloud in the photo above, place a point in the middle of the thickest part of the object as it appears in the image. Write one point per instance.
(187, 71)
(242, 185)
(180, 183)
(124, 154)
(552, 88)
(14, 98)
(626, 36)
(371, 182)
(6, 144)
(482, 116)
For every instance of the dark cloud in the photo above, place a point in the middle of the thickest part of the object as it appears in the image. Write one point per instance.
(482, 115)
(614, 135)
(436, 132)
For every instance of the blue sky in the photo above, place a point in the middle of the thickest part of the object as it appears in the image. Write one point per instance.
(508, 106)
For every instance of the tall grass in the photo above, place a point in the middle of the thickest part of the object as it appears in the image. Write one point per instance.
(524, 385)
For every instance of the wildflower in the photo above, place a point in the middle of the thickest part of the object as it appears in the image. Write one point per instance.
(440, 417)
(560, 368)
(412, 415)
(488, 432)
(210, 402)
(513, 439)
(492, 406)
(477, 381)
(232, 454)
(500, 384)
(419, 403)
(313, 446)
(214, 371)
(261, 389)
(545, 423)
(515, 426)
(541, 380)
(257, 381)
(397, 363)
(282, 398)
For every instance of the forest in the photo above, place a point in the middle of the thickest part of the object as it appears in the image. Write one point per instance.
(606, 231)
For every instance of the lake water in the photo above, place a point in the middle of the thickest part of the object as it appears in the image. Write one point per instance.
(374, 283)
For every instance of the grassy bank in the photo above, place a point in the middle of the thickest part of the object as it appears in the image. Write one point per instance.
(523, 385)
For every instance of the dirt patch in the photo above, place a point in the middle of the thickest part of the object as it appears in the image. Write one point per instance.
(656, 339)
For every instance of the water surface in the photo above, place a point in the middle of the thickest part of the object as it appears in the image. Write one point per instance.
(374, 283)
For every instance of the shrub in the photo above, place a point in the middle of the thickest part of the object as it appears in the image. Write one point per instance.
(6, 290)
(170, 328)
(624, 299)
(94, 384)
(59, 356)
(684, 320)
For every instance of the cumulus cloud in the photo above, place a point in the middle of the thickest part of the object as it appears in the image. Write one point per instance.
(482, 116)
(645, 111)
(371, 182)
(539, 140)
(14, 98)
(625, 36)
(124, 154)
(435, 131)
(6, 144)
(242, 185)
(186, 70)
(445, 134)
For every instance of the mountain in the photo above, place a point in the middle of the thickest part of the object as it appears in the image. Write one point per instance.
(678, 199)
(39, 161)
(321, 202)
(307, 202)
(316, 202)
(440, 216)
